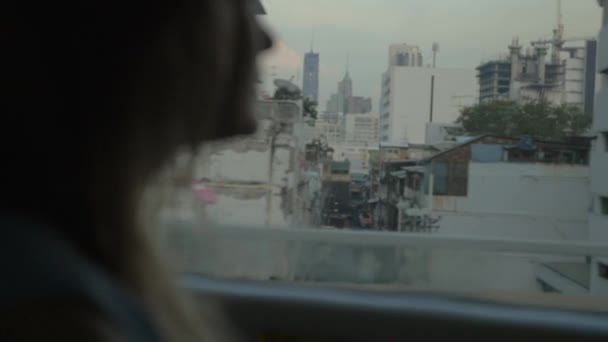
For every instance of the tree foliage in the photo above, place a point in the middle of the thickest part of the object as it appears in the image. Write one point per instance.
(539, 119)
(310, 107)
(319, 150)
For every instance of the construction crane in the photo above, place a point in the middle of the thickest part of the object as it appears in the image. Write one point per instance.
(558, 33)
(557, 41)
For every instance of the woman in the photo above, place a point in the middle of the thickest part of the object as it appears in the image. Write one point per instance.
(97, 97)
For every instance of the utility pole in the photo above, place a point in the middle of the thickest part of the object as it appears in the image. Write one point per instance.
(435, 50)
(432, 98)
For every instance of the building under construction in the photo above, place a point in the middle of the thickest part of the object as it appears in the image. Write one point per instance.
(546, 70)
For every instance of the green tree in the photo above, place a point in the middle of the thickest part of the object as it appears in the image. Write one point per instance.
(319, 150)
(310, 107)
(539, 119)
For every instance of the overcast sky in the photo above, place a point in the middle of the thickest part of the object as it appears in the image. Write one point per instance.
(468, 32)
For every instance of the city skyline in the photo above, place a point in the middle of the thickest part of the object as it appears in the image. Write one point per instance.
(474, 31)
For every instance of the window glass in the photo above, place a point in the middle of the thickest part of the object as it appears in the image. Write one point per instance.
(479, 178)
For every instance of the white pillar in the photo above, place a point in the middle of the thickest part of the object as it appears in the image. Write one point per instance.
(515, 50)
(541, 55)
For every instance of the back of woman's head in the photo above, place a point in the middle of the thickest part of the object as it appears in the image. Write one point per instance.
(100, 94)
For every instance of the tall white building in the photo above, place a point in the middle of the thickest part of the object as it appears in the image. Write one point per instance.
(361, 129)
(413, 97)
(598, 221)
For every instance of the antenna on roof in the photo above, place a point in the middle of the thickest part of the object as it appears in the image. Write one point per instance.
(435, 50)
(347, 62)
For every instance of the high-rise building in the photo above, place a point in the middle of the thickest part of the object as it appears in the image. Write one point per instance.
(358, 104)
(310, 86)
(344, 102)
(413, 97)
(404, 55)
(494, 80)
(590, 76)
(345, 91)
(338, 102)
(531, 75)
(332, 104)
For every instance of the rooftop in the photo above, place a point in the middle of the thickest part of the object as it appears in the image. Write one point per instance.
(576, 143)
(390, 144)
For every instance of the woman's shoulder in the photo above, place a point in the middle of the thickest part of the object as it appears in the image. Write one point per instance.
(57, 320)
(46, 278)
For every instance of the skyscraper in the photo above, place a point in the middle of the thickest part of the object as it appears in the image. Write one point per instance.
(310, 86)
(404, 55)
(345, 92)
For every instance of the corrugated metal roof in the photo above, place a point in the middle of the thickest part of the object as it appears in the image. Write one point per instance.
(388, 144)
(421, 169)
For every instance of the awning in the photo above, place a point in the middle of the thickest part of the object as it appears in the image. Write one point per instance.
(399, 174)
(420, 169)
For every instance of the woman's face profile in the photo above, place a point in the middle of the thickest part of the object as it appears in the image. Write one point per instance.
(240, 39)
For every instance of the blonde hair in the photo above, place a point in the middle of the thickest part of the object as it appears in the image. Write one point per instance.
(108, 91)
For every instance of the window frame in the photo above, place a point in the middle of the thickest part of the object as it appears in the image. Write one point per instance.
(603, 205)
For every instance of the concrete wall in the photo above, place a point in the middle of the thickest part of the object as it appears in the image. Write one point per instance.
(600, 120)
(511, 226)
(318, 261)
(436, 133)
(226, 164)
(599, 166)
(575, 79)
(470, 272)
(543, 190)
(194, 251)
(519, 200)
(602, 51)
(241, 182)
(358, 155)
(410, 94)
(256, 179)
(598, 221)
